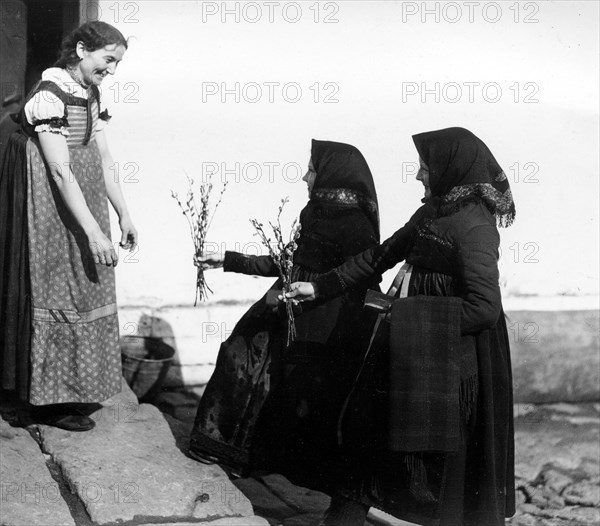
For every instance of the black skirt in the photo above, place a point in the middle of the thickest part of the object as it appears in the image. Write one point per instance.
(15, 303)
(473, 486)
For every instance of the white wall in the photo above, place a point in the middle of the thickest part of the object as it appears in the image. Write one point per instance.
(371, 55)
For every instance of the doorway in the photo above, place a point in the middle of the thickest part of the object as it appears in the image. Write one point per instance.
(30, 35)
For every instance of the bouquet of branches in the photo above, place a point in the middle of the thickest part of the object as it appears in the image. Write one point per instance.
(196, 210)
(282, 252)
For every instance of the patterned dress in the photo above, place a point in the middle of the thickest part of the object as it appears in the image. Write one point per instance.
(60, 340)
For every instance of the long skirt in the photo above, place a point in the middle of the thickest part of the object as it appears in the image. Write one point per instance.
(59, 339)
(474, 486)
(297, 430)
(237, 390)
(276, 408)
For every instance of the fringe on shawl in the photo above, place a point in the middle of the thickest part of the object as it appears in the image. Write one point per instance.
(418, 484)
(468, 396)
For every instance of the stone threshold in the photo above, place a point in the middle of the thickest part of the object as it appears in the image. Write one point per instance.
(127, 471)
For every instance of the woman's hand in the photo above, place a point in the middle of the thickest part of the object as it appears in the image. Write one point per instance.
(101, 248)
(208, 261)
(129, 235)
(301, 291)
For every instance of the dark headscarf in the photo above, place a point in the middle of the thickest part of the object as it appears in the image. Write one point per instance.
(461, 169)
(343, 180)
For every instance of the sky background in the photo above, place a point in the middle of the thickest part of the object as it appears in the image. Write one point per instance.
(523, 76)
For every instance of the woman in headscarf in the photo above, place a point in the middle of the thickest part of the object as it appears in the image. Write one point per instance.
(428, 429)
(311, 378)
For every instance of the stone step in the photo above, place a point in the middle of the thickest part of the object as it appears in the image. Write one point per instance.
(283, 503)
(130, 468)
(29, 494)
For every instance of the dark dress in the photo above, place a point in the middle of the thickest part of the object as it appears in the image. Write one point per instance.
(461, 471)
(452, 256)
(276, 408)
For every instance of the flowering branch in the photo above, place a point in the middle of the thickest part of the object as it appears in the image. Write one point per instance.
(199, 219)
(282, 253)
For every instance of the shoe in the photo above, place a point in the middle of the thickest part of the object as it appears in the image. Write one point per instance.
(205, 459)
(68, 422)
(234, 473)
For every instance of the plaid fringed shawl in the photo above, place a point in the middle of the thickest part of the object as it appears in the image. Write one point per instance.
(426, 355)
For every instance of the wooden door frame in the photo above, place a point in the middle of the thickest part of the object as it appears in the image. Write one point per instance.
(74, 13)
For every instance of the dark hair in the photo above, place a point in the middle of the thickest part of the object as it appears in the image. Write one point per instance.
(94, 35)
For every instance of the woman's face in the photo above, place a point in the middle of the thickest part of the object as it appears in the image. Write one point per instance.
(310, 177)
(95, 65)
(423, 176)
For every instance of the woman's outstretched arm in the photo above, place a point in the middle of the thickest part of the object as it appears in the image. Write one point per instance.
(253, 265)
(366, 265)
(240, 263)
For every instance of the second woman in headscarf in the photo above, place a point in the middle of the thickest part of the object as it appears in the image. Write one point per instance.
(428, 428)
(294, 431)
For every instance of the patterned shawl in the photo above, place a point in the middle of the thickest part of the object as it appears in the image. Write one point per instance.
(462, 169)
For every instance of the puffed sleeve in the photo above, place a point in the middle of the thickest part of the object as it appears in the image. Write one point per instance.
(46, 112)
(253, 265)
(479, 277)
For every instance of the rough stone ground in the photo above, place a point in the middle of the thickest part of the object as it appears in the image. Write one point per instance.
(557, 469)
(131, 470)
(557, 465)
(127, 470)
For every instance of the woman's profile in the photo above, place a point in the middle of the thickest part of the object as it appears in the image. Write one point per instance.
(271, 407)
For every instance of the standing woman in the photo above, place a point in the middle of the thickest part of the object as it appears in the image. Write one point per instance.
(58, 308)
(293, 432)
(428, 429)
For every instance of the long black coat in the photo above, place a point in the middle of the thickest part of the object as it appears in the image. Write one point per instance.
(452, 255)
(294, 432)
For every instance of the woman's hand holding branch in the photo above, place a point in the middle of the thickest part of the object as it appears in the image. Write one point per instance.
(301, 291)
(208, 261)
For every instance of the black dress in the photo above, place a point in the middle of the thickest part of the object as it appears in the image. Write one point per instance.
(271, 407)
(460, 470)
(455, 255)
